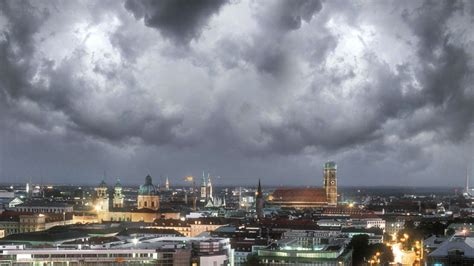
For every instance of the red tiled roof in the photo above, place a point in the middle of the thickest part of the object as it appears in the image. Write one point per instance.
(299, 195)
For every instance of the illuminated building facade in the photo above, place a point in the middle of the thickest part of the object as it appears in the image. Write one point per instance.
(203, 189)
(330, 255)
(191, 227)
(118, 196)
(148, 205)
(153, 251)
(167, 184)
(209, 189)
(102, 198)
(330, 183)
(206, 193)
(148, 197)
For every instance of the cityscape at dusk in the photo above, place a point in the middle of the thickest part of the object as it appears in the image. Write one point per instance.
(237, 132)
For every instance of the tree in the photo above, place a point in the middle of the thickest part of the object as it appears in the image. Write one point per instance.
(252, 260)
(386, 254)
(362, 251)
(412, 232)
(450, 232)
(360, 248)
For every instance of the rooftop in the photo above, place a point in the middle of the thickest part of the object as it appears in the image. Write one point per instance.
(306, 195)
(330, 165)
(456, 243)
(148, 188)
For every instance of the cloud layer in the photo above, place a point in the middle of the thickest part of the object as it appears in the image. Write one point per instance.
(244, 89)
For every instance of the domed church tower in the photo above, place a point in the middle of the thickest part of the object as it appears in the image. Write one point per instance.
(102, 198)
(118, 195)
(148, 197)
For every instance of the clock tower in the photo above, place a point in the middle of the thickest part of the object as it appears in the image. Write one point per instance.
(330, 183)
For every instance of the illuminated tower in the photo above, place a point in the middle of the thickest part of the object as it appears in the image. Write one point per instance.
(259, 201)
(330, 182)
(209, 189)
(167, 184)
(148, 197)
(102, 198)
(27, 189)
(203, 189)
(118, 196)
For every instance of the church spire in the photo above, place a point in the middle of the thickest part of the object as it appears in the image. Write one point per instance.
(209, 180)
(203, 180)
(259, 202)
(259, 189)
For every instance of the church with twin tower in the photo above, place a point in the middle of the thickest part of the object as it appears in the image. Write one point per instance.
(310, 197)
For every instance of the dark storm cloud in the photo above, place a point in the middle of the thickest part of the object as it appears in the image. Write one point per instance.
(288, 15)
(445, 72)
(292, 82)
(17, 45)
(63, 91)
(270, 51)
(178, 20)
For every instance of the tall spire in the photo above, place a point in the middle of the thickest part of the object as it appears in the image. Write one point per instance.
(259, 201)
(203, 180)
(209, 193)
(167, 184)
(259, 189)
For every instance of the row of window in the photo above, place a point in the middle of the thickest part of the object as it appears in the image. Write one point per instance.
(114, 255)
(52, 210)
(145, 204)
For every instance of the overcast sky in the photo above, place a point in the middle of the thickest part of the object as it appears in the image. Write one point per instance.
(241, 89)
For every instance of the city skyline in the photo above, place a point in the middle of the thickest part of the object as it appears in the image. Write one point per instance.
(244, 90)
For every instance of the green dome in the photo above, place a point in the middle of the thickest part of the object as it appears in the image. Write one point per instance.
(118, 183)
(330, 165)
(103, 184)
(148, 189)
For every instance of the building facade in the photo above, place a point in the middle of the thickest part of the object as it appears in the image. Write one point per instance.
(102, 198)
(118, 199)
(328, 255)
(148, 197)
(330, 183)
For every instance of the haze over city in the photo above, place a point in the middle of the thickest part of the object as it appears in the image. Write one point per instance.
(241, 89)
